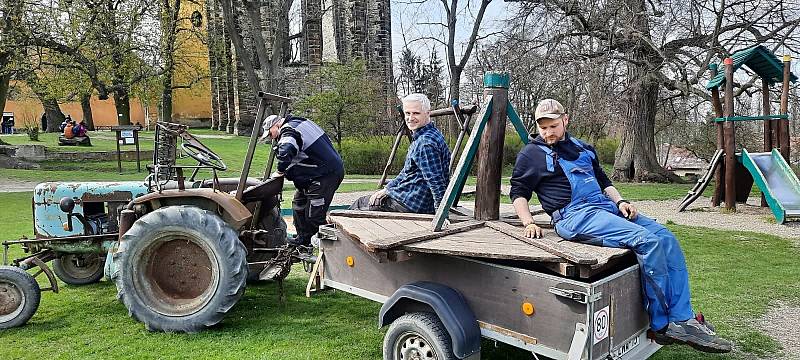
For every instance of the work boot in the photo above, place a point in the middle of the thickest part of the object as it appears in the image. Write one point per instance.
(661, 338)
(697, 335)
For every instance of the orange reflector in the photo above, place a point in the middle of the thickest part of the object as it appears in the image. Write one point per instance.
(350, 261)
(527, 308)
(65, 226)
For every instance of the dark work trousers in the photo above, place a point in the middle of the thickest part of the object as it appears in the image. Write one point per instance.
(311, 204)
(387, 204)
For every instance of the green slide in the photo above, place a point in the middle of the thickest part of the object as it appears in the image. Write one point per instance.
(777, 182)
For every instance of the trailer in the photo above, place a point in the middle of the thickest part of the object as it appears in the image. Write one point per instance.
(475, 280)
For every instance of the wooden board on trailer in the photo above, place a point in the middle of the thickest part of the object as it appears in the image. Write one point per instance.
(381, 232)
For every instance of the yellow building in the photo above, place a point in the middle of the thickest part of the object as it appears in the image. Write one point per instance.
(191, 106)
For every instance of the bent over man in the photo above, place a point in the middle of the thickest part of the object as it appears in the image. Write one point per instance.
(566, 176)
(420, 186)
(306, 156)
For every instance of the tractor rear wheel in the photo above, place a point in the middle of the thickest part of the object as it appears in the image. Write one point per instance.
(19, 297)
(79, 269)
(180, 269)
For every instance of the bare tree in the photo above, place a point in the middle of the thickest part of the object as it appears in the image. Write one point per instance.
(662, 49)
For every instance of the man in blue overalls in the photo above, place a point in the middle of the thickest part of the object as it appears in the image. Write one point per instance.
(584, 205)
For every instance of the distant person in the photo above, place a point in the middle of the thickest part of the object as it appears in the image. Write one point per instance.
(586, 207)
(68, 133)
(80, 129)
(305, 156)
(10, 125)
(421, 184)
(3, 126)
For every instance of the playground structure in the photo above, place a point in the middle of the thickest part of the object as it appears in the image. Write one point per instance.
(733, 173)
(448, 279)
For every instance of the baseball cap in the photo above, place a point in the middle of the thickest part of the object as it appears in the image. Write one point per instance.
(266, 125)
(550, 109)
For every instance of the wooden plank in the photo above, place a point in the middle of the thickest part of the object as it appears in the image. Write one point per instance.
(483, 243)
(380, 215)
(395, 241)
(377, 227)
(545, 244)
(461, 173)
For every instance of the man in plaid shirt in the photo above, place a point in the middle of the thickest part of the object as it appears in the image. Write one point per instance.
(421, 185)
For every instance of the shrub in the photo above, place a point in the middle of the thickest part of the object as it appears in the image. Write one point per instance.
(33, 131)
(369, 156)
(606, 148)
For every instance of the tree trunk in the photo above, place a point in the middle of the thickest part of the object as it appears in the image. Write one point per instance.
(86, 108)
(123, 106)
(455, 94)
(636, 155)
(53, 112)
(4, 85)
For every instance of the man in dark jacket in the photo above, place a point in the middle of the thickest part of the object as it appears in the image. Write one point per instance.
(306, 157)
(572, 187)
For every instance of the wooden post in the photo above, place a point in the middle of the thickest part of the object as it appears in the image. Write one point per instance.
(729, 140)
(768, 128)
(784, 123)
(490, 151)
(715, 102)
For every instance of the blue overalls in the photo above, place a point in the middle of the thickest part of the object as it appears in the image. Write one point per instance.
(591, 217)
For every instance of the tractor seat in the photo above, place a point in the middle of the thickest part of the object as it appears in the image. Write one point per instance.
(264, 190)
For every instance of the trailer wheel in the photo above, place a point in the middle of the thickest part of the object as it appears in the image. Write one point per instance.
(79, 269)
(419, 335)
(19, 297)
(180, 269)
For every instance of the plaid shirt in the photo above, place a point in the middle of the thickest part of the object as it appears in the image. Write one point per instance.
(421, 184)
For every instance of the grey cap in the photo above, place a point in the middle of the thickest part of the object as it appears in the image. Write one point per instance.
(268, 123)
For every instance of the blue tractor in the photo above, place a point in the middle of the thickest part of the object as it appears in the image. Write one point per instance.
(180, 250)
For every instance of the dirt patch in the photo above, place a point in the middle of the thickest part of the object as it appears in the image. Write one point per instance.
(9, 185)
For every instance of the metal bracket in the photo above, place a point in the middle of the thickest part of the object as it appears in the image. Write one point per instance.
(575, 295)
(578, 344)
(327, 232)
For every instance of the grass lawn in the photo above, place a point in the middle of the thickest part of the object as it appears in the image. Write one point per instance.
(735, 276)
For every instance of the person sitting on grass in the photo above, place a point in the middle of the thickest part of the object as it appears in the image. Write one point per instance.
(421, 184)
(585, 207)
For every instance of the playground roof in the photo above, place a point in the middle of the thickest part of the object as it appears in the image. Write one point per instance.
(758, 59)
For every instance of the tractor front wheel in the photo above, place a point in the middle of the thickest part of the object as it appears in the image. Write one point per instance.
(180, 269)
(79, 269)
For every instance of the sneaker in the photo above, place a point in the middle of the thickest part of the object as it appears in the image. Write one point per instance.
(697, 335)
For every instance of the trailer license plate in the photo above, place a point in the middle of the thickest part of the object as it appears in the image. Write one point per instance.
(625, 348)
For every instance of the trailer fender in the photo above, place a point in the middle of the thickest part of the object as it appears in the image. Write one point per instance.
(448, 304)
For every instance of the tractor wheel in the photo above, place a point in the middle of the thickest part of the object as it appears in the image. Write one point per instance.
(276, 237)
(180, 269)
(79, 269)
(19, 297)
(419, 335)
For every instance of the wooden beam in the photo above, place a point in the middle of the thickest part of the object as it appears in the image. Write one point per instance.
(396, 241)
(784, 124)
(461, 173)
(490, 150)
(729, 140)
(715, 102)
(519, 126)
(546, 245)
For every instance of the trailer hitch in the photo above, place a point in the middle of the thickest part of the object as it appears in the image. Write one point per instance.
(575, 295)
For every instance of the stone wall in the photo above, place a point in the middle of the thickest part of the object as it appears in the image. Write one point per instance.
(350, 29)
(40, 153)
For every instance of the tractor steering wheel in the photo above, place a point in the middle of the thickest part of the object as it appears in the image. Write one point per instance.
(204, 156)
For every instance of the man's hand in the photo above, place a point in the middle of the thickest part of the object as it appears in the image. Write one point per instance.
(628, 210)
(377, 197)
(533, 231)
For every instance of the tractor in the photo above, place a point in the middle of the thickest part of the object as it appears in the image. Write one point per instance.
(179, 250)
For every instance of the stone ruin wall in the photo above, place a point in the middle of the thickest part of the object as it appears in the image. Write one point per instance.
(332, 31)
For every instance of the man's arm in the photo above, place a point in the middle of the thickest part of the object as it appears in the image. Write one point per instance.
(434, 171)
(289, 143)
(626, 208)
